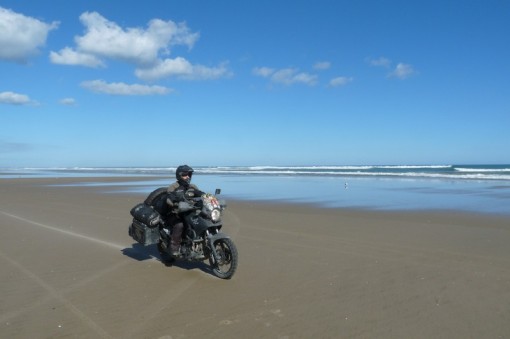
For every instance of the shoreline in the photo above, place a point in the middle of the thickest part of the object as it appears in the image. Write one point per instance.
(69, 268)
(103, 186)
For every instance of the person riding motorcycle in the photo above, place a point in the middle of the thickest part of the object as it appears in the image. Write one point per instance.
(176, 193)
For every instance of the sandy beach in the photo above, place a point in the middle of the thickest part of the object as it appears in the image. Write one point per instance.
(68, 268)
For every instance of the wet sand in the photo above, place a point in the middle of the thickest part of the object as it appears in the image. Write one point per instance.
(68, 268)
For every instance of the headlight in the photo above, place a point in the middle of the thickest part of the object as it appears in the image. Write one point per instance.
(215, 215)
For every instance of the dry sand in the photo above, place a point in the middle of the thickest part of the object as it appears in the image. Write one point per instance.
(69, 269)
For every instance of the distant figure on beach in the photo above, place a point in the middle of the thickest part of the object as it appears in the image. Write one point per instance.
(346, 185)
(176, 193)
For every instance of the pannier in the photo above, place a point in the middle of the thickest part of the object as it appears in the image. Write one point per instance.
(144, 234)
(146, 215)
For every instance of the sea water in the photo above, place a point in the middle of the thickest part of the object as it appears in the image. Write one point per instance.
(477, 188)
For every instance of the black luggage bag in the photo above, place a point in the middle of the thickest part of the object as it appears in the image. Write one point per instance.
(146, 215)
(144, 234)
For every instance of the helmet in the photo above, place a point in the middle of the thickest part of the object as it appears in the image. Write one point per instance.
(180, 171)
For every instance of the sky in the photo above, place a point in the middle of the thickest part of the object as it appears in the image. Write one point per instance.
(241, 83)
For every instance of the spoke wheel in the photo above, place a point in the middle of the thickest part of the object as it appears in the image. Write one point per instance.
(227, 255)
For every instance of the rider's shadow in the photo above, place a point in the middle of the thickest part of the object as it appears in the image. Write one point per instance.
(141, 253)
(190, 265)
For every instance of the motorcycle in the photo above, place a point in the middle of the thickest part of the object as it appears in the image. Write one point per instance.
(202, 236)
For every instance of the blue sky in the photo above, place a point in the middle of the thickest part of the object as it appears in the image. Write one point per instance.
(160, 83)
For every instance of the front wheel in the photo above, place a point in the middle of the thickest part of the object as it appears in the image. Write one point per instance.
(227, 254)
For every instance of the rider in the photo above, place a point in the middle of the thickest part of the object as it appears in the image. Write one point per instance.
(176, 193)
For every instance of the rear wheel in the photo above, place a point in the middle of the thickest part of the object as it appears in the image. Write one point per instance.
(227, 258)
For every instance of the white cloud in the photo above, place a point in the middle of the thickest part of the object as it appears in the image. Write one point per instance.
(379, 62)
(304, 78)
(402, 71)
(147, 48)
(201, 72)
(120, 88)
(106, 39)
(340, 81)
(286, 76)
(263, 71)
(68, 102)
(180, 67)
(12, 98)
(322, 65)
(67, 56)
(21, 36)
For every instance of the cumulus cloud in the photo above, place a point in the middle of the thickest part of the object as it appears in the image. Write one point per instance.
(402, 71)
(68, 102)
(263, 71)
(322, 65)
(379, 62)
(12, 98)
(21, 36)
(68, 56)
(106, 39)
(140, 46)
(340, 81)
(286, 76)
(120, 88)
(289, 76)
(146, 48)
(181, 68)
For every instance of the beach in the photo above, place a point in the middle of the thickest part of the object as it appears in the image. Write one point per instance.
(70, 269)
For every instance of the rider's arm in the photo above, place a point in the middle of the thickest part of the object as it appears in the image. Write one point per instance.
(198, 193)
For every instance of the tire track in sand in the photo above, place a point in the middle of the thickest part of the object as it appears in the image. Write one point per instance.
(55, 294)
(150, 312)
(73, 234)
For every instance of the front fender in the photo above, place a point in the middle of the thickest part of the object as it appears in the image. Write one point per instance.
(219, 235)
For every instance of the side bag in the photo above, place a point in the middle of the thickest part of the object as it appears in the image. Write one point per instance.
(146, 214)
(143, 234)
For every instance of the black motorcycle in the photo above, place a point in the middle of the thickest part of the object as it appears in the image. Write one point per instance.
(202, 238)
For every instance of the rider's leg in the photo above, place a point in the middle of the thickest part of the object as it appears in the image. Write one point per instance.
(176, 237)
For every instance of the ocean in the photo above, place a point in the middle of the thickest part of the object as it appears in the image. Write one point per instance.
(476, 188)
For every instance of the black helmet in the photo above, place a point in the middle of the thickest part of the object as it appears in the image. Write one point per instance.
(180, 171)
